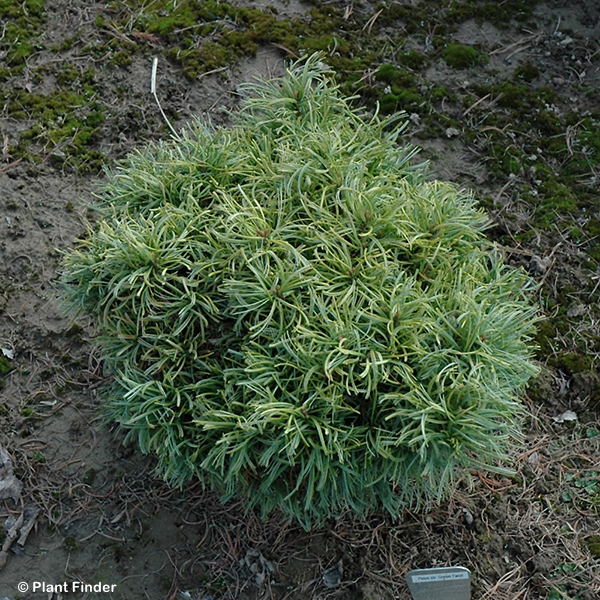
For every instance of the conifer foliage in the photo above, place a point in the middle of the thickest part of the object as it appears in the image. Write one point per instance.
(293, 314)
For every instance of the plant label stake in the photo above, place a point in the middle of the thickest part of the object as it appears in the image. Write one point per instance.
(446, 583)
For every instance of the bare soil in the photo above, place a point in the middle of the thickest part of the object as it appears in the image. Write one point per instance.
(103, 516)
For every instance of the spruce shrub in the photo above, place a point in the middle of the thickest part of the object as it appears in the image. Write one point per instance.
(293, 314)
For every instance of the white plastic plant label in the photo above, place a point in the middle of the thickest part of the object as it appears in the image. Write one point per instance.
(445, 583)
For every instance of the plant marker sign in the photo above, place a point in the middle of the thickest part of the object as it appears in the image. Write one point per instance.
(446, 583)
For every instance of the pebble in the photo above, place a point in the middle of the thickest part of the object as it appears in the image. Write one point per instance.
(566, 41)
(332, 577)
(468, 517)
(576, 310)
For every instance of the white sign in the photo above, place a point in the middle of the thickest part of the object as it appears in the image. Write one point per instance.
(445, 583)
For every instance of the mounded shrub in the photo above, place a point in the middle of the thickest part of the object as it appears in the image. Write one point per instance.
(293, 314)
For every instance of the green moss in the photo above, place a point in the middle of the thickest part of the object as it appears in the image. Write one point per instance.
(518, 96)
(21, 21)
(64, 122)
(590, 139)
(459, 56)
(576, 234)
(396, 76)
(400, 99)
(585, 151)
(593, 545)
(65, 44)
(592, 229)
(89, 476)
(525, 137)
(545, 339)
(412, 60)
(401, 93)
(555, 198)
(202, 36)
(170, 19)
(439, 93)
(121, 58)
(414, 19)
(186, 25)
(387, 73)
(214, 55)
(75, 79)
(70, 544)
(498, 13)
(571, 362)
(505, 160)
(5, 366)
(526, 72)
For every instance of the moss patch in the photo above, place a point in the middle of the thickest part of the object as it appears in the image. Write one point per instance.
(21, 21)
(553, 153)
(571, 363)
(459, 56)
(498, 13)
(202, 36)
(5, 368)
(63, 123)
(593, 545)
(526, 72)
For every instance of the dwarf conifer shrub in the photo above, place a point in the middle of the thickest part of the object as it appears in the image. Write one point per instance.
(293, 314)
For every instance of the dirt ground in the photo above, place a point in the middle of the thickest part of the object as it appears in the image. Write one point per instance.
(518, 123)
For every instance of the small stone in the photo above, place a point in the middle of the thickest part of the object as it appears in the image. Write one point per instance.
(567, 416)
(332, 577)
(452, 132)
(576, 310)
(468, 516)
(534, 459)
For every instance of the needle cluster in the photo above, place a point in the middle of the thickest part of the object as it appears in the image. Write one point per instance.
(293, 314)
